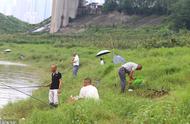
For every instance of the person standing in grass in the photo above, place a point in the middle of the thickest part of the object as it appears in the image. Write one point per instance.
(128, 68)
(55, 86)
(75, 62)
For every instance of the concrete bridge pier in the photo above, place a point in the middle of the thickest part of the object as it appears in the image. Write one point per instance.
(62, 10)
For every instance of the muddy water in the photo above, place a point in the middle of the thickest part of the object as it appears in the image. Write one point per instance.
(18, 76)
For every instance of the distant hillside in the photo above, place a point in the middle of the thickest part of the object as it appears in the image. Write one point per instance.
(10, 24)
(116, 18)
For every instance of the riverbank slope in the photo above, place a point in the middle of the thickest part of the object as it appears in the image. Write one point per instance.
(163, 53)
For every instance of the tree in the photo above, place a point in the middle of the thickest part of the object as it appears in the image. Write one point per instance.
(181, 14)
(140, 7)
(110, 5)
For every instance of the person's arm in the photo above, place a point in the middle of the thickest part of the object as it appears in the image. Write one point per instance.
(75, 98)
(96, 95)
(60, 86)
(48, 85)
(73, 60)
(131, 75)
(131, 78)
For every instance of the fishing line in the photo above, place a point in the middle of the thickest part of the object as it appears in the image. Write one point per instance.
(24, 93)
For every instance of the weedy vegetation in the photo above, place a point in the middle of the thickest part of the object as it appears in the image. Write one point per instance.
(163, 99)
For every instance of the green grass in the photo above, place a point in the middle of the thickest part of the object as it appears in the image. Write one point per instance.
(120, 37)
(165, 66)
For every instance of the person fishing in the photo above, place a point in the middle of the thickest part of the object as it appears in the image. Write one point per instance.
(128, 68)
(76, 63)
(102, 62)
(55, 86)
(88, 91)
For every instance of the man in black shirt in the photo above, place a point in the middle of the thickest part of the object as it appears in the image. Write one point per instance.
(55, 86)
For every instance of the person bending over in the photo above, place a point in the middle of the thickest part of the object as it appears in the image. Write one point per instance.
(128, 68)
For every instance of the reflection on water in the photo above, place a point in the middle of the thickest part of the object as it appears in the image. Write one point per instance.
(17, 76)
(11, 63)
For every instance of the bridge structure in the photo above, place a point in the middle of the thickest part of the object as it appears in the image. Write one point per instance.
(62, 11)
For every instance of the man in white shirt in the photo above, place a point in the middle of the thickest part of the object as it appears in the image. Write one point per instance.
(88, 91)
(76, 63)
(128, 68)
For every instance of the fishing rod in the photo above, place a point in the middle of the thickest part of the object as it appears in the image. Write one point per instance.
(24, 93)
(4, 97)
(27, 87)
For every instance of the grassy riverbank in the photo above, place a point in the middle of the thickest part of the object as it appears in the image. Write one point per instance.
(163, 68)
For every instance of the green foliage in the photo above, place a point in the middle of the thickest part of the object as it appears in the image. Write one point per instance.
(160, 70)
(110, 5)
(9, 24)
(180, 14)
(163, 53)
(178, 9)
(140, 7)
(108, 37)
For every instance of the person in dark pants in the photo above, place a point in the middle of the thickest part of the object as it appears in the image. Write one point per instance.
(128, 68)
(75, 62)
(55, 86)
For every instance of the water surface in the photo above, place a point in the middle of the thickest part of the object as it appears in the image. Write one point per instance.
(18, 76)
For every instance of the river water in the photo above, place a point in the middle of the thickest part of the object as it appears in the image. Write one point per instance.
(18, 76)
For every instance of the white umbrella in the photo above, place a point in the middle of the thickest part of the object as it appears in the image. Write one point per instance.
(7, 50)
(103, 52)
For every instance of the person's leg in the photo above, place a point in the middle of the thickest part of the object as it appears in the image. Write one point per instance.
(75, 70)
(55, 97)
(122, 76)
(50, 97)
